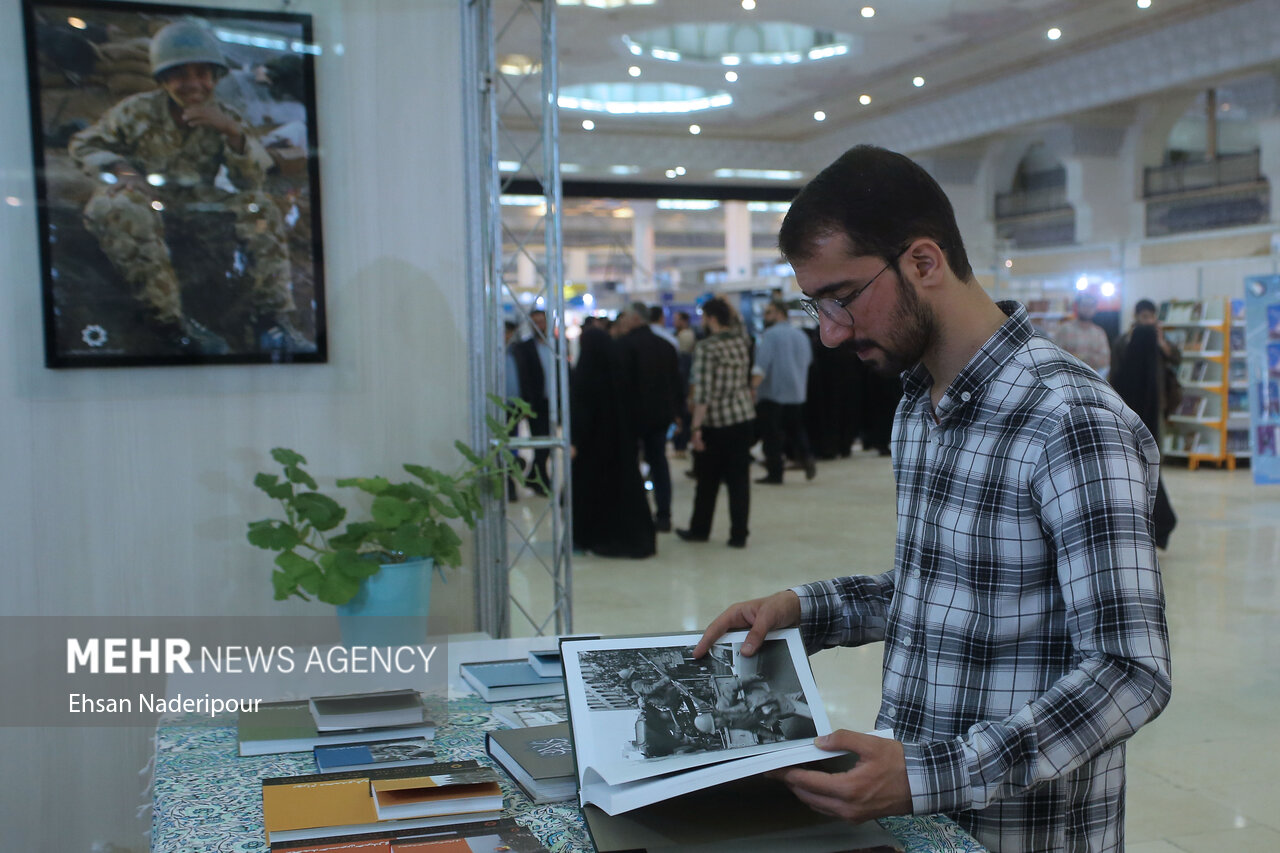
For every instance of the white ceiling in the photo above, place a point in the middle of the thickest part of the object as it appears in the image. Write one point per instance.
(989, 71)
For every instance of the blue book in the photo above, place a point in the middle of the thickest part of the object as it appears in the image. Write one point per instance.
(401, 752)
(505, 680)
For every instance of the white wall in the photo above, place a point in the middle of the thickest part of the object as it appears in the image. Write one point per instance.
(126, 491)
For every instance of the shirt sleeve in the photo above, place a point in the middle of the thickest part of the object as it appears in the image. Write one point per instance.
(1094, 487)
(247, 169)
(105, 142)
(698, 377)
(848, 611)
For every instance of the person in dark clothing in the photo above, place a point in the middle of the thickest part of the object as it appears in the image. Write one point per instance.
(836, 382)
(610, 511)
(651, 377)
(534, 368)
(1138, 379)
(879, 403)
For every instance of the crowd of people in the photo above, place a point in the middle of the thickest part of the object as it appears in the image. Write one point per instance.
(638, 389)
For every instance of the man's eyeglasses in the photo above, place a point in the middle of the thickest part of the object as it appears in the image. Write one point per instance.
(837, 310)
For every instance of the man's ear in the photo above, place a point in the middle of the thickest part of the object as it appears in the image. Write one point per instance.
(924, 263)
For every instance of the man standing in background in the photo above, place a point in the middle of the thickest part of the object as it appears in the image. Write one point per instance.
(651, 377)
(781, 375)
(535, 367)
(1084, 338)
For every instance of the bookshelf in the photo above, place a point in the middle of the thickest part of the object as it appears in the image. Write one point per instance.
(1211, 422)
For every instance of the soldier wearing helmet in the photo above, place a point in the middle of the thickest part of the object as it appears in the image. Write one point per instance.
(157, 154)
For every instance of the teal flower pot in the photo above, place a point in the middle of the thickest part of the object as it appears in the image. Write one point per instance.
(391, 607)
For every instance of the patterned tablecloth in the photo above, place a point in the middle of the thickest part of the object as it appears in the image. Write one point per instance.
(207, 799)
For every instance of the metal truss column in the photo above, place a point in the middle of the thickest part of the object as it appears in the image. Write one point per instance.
(523, 555)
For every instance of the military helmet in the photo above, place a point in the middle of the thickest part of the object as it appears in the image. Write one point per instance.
(184, 42)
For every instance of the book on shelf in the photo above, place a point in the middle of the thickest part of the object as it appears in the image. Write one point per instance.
(1273, 321)
(651, 722)
(278, 727)
(546, 662)
(505, 680)
(487, 835)
(539, 711)
(361, 802)
(401, 752)
(1238, 343)
(1192, 406)
(1199, 371)
(368, 710)
(1196, 340)
(1237, 310)
(538, 758)
(1238, 401)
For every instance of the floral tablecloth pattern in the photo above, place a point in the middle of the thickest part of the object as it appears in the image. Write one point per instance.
(207, 799)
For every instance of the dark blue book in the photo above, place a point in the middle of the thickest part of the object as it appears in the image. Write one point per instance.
(399, 752)
(505, 680)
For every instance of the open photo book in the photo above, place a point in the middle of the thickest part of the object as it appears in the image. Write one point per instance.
(650, 722)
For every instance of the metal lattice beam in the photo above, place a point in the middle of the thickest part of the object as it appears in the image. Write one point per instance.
(523, 555)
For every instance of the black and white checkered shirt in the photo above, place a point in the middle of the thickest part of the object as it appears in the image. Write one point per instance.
(1023, 620)
(721, 378)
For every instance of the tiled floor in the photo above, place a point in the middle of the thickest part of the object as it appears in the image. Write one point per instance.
(1202, 777)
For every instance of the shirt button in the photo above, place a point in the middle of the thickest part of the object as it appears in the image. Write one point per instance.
(915, 573)
(965, 395)
(891, 713)
(906, 641)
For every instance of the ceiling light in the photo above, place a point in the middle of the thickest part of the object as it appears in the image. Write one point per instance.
(522, 200)
(767, 43)
(641, 98)
(570, 168)
(623, 170)
(624, 213)
(1144, 4)
(768, 206)
(588, 124)
(864, 99)
(508, 166)
(1108, 288)
(868, 12)
(695, 129)
(687, 204)
(1082, 283)
(671, 173)
(759, 174)
(634, 71)
(917, 81)
(680, 170)
(13, 201)
(731, 76)
(819, 115)
(748, 4)
(1008, 263)
(1054, 34)
(518, 65)
(78, 23)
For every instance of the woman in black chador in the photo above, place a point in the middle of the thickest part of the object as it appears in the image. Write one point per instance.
(610, 509)
(1138, 379)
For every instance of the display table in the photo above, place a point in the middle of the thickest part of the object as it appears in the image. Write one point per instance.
(208, 799)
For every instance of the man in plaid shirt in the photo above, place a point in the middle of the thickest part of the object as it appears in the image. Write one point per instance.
(1023, 618)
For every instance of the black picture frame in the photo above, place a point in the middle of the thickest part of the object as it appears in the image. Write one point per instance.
(228, 269)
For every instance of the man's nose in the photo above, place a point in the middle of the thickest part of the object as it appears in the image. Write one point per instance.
(832, 333)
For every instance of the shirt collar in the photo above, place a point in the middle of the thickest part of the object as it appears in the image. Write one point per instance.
(985, 364)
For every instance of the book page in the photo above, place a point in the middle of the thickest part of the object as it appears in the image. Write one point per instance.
(643, 706)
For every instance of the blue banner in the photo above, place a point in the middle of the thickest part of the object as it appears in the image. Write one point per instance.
(1262, 336)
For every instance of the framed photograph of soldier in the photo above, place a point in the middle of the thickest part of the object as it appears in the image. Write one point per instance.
(178, 184)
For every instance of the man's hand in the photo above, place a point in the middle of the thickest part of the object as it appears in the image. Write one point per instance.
(760, 615)
(128, 179)
(874, 787)
(211, 115)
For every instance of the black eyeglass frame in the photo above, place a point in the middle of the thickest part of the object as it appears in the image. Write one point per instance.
(817, 308)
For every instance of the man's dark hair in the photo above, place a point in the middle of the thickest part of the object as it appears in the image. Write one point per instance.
(881, 201)
(656, 314)
(536, 311)
(684, 314)
(719, 309)
(1144, 305)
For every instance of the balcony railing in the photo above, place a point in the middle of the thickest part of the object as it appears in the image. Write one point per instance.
(1031, 201)
(1232, 170)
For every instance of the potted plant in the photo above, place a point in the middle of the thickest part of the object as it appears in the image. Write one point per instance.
(409, 524)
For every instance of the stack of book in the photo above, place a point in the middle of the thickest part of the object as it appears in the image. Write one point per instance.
(538, 758)
(396, 716)
(370, 802)
(501, 834)
(508, 680)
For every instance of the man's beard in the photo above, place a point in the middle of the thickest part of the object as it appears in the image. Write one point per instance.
(915, 328)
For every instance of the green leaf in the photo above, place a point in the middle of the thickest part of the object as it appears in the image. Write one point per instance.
(322, 511)
(284, 586)
(389, 512)
(270, 483)
(443, 508)
(297, 475)
(273, 535)
(470, 455)
(372, 485)
(336, 589)
(353, 566)
(356, 535)
(295, 566)
(285, 456)
(410, 540)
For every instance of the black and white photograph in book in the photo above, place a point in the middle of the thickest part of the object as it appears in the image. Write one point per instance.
(648, 704)
(177, 182)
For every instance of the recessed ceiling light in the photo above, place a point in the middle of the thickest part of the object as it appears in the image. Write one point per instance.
(748, 4)
(634, 71)
(1054, 34)
(819, 116)
(917, 81)
(868, 12)
(679, 170)
(1144, 4)
(1008, 263)
(588, 124)
(731, 76)
(864, 99)
(671, 173)
(695, 129)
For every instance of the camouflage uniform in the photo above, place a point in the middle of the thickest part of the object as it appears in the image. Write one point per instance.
(140, 131)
